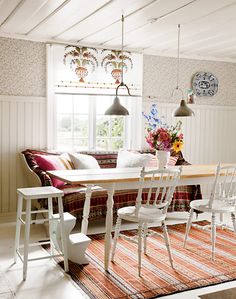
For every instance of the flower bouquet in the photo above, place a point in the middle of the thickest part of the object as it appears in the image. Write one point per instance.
(160, 136)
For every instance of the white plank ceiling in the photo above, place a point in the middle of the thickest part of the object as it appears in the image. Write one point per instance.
(208, 27)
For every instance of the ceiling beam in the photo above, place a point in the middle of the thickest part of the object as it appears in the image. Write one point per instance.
(13, 12)
(48, 16)
(118, 20)
(85, 18)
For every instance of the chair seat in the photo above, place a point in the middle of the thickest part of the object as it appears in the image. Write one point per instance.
(217, 207)
(146, 215)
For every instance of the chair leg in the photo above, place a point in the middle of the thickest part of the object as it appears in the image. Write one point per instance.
(139, 248)
(145, 231)
(188, 226)
(167, 241)
(221, 218)
(213, 234)
(233, 221)
(117, 232)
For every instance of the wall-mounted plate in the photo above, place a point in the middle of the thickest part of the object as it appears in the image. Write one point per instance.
(204, 84)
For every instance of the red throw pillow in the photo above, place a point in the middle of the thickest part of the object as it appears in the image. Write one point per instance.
(51, 162)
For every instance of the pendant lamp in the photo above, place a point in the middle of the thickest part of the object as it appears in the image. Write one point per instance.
(183, 110)
(116, 108)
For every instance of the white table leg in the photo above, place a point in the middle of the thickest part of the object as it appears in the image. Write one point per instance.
(27, 237)
(109, 222)
(86, 210)
(50, 217)
(18, 227)
(62, 228)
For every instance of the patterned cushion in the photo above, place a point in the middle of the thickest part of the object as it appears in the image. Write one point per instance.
(44, 177)
(33, 164)
(154, 161)
(54, 162)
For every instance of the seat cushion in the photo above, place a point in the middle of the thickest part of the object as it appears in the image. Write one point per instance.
(146, 214)
(217, 207)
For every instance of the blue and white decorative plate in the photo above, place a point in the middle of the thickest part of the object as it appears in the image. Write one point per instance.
(204, 84)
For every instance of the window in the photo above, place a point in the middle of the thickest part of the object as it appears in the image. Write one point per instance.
(81, 124)
(76, 119)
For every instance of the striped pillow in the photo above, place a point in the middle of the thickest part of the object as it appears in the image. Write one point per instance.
(54, 162)
(154, 161)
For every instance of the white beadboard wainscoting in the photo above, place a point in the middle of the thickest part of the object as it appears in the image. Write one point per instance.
(22, 125)
(209, 137)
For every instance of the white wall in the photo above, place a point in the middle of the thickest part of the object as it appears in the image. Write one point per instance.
(209, 137)
(22, 111)
(22, 126)
(159, 79)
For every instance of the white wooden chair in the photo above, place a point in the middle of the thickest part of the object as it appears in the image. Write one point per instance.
(153, 210)
(222, 200)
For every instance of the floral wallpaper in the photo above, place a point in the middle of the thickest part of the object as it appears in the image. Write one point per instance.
(22, 67)
(159, 79)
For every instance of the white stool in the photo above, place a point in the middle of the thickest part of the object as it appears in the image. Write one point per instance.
(36, 193)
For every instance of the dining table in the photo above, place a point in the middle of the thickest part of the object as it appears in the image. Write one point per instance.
(112, 179)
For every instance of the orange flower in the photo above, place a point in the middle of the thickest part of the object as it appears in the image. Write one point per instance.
(178, 146)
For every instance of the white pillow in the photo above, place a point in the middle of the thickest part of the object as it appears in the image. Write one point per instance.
(82, 161)
(130, 159)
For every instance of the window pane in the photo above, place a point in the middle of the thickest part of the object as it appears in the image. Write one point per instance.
(64, 144)
(81, 126)
(81, 104)
(117, 127)
(117, 144)
(64, 126)
(102, 126)
(102, 104)
(64, 104)
(102, 144)
(80, 144)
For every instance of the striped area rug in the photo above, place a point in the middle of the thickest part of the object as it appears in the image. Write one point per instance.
(193, 265)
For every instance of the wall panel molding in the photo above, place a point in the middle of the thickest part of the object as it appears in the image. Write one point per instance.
(22, 125)
(27, 99)
(208, 136)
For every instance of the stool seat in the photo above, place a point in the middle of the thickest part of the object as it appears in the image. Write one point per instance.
(39, 192)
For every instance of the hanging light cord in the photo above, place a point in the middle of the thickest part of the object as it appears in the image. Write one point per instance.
(122, 60)
(178, 63)
(122, 48)
(177, 82)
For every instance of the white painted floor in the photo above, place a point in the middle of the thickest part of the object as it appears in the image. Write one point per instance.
(46, 280)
